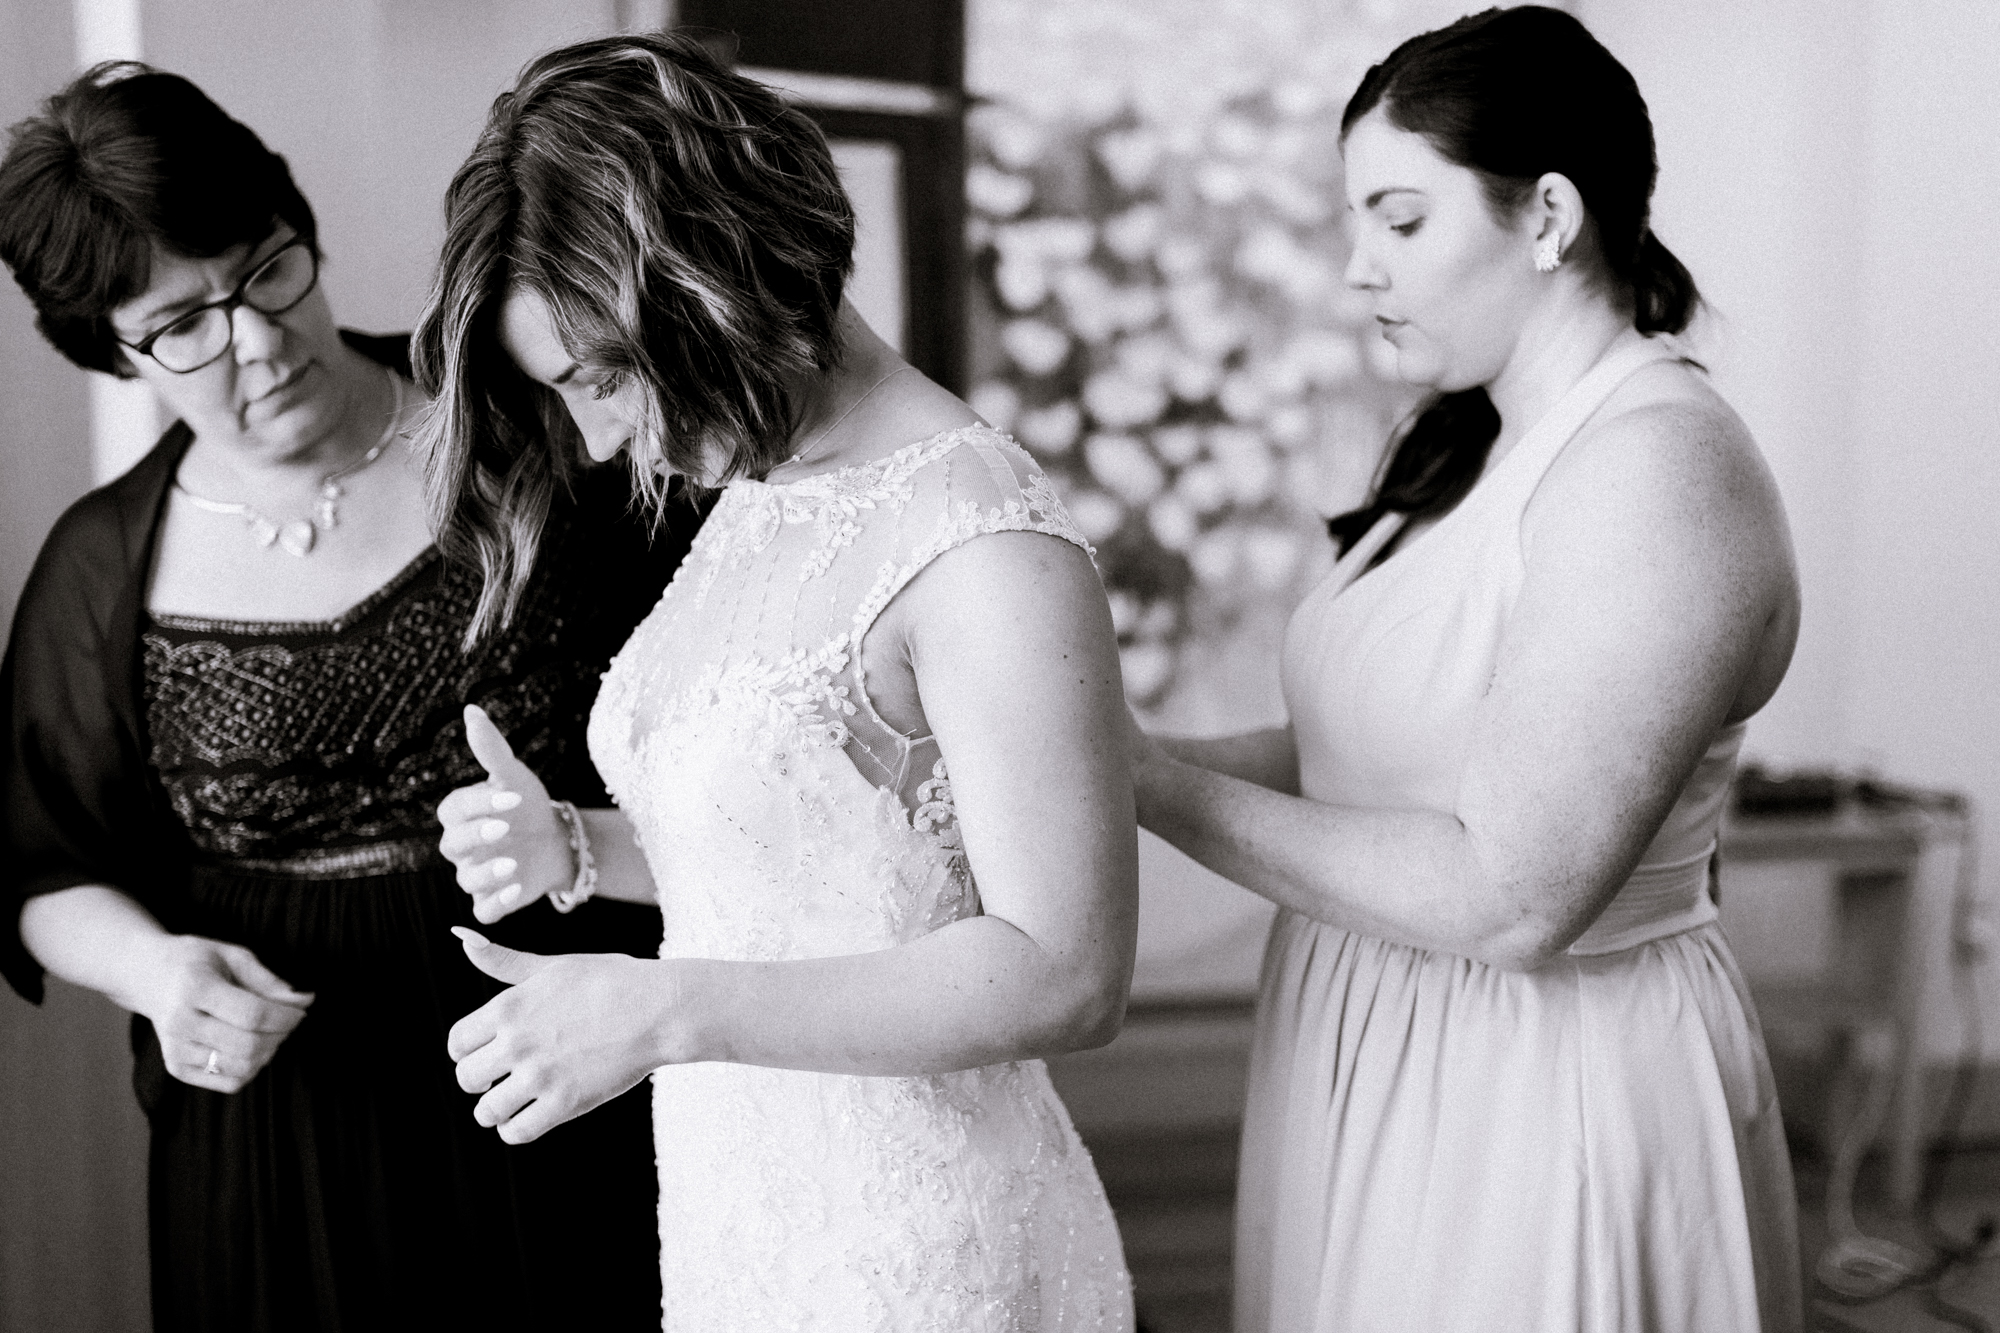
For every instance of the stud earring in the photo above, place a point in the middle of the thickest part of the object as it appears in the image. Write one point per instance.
(1548, 253)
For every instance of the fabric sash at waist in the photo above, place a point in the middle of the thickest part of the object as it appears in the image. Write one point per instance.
(1658, 901)
(394, 857)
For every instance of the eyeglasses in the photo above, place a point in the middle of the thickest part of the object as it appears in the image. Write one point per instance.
(202, 335)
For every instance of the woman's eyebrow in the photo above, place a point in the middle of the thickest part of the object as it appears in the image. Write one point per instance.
(1388, 190)
(564, 378)
(154, 314)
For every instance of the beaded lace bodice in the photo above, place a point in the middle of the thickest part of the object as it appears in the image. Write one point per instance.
(739, 711)
(322, 748)
(783, 818)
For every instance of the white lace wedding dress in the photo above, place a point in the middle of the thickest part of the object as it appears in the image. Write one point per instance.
(783, 819)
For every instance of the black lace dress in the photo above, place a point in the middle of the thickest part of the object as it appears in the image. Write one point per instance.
(348, 1187)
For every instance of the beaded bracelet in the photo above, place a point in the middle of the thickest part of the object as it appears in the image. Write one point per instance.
(585, 884)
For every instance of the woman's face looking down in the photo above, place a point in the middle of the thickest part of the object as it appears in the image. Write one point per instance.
(276, 389)
(1452, 286)
(606, 408)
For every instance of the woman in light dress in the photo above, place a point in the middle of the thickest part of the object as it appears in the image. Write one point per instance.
(1506, 1075)
(868, 750)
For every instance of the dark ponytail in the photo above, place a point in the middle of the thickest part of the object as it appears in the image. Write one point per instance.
(1663, 291)
(1513, 94)
(1431, 468)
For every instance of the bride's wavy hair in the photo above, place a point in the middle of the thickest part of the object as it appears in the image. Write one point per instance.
(686, 229)
(1511, 95)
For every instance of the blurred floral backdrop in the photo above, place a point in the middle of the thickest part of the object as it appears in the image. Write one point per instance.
(1157, 236)
(1157, 233)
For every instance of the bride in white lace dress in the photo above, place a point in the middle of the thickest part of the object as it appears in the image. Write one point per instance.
(866, 750)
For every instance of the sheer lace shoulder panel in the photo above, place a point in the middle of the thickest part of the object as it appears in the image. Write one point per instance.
(990, 484)
(787, 578)
(834, 503)
(981, 483)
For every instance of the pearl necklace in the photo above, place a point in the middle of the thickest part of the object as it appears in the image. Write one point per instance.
(296, 536)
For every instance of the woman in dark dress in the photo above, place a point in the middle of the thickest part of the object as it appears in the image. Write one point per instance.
(232, 700)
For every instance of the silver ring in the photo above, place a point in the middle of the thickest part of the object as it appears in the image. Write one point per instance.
(211, 1067)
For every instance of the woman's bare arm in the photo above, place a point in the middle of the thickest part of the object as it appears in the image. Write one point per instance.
(1015, 661)
(510, 848)
(1013, 655)
(201, 995)
(1659, 580)
(1267, 758)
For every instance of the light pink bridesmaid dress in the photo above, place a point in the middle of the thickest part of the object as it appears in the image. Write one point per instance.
(1435, 1144)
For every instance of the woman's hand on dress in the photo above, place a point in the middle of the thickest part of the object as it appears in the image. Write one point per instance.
(508, 845)
(571, 1032)
(220, 1013)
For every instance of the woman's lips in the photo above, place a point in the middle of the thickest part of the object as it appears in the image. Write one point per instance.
(291, 378)
(281, 396)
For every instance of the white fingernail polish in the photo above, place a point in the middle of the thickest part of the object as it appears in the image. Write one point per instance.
(502, 867)
(506, 800)
(493, 830)
(509, 895)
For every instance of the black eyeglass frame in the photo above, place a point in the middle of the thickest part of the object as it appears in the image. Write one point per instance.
(228, 305)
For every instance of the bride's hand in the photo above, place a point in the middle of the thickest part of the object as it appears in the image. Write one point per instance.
(570, 1033)
(506, 841)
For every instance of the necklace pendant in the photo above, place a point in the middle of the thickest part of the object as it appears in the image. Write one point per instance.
(297, 537)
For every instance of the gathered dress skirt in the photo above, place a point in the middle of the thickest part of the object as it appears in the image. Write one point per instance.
(347, 1186)
(1435, 1144)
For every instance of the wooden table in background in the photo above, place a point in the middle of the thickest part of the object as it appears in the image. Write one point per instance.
(1847, 920)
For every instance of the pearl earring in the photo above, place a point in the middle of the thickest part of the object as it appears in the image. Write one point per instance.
(1548, 253)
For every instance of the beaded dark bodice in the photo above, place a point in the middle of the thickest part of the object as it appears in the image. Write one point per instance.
(323, 748)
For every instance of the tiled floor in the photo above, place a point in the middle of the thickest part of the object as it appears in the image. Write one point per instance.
(1172, 1193)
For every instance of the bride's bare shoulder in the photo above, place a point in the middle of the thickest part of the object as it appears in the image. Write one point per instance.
(917, 408)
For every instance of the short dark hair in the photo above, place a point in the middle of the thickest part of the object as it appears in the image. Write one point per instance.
(688, 232)
(125, 158)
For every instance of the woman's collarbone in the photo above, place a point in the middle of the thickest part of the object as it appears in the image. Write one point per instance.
(219, 566)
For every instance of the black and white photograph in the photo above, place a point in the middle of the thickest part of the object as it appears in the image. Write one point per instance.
(1006, 666)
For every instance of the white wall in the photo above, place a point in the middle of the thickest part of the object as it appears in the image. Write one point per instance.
(1831, 174)
(44, 413)
(72, 1151)
(1923, 685)
(374, 103)
(1760, 139)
